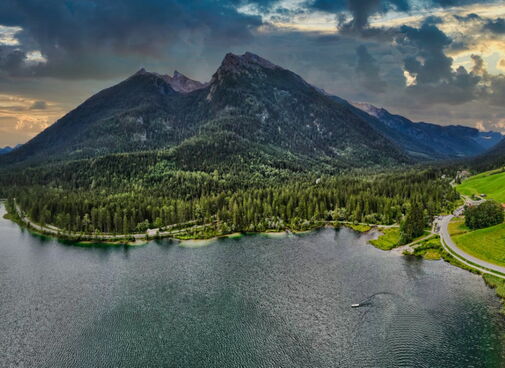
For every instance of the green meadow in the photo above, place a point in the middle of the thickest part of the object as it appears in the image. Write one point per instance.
(389, 239)
(491, 183)
(487, 244)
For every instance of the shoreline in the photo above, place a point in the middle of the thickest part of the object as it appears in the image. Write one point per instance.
(194, 241)
(137, 240)
(134, 240)
(491, 281)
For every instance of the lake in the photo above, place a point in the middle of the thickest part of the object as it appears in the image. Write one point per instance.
(254, 301)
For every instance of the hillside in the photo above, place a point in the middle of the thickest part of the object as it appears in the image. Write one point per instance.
(8, 149)
(255, 148)
(5, 150)
(430, 141)
(490, 183)
(491, 159)
(250, 111)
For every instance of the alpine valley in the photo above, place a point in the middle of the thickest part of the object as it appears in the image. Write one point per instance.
(283, 189)
(256, 148)
(252, 183)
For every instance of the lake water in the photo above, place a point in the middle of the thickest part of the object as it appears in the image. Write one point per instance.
(249, 302)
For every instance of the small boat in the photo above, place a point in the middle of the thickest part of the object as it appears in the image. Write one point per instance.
(355, 305)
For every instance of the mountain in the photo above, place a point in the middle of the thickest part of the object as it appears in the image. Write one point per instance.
(8, 149)
(5, 150)
(430, 141)
(491, 159)
(251, 112)
(180, 83)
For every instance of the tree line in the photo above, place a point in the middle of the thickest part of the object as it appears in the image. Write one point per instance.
(162, 196)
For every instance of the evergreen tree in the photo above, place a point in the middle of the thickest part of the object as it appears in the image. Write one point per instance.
(413, 224)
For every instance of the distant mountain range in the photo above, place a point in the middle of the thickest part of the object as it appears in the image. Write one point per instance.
(491, 159)
(8, 149)
(430, 141)
(251, 112)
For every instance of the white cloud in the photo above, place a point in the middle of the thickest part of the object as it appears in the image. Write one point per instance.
(8, 35)
(35, 57)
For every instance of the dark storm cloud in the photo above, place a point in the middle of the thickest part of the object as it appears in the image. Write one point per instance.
(429, 62)
(497, 90)
(362, 10)
(83, 36)
(106, 39)
(467, 18)
(11, 59)
(450, 3)
(361, 7)
(478, 66)
(436, 81)
(259, 4)
(495, 26)
(102, 41)
(39, 105)
(368, 70)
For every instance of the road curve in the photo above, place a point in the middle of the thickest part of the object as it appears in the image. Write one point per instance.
(464, 257)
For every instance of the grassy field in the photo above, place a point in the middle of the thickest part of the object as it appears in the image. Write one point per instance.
(359, 228)
(429, 249)
(491, 183)
(389, 240)
(457, 227)
(487, 244)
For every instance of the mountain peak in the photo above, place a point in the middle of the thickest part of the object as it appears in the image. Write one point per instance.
(141, 71)
(235, 63)
(9, 149)
(180, 83)
(369, 108)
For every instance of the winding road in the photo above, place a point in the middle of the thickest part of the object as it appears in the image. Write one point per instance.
(450, 246)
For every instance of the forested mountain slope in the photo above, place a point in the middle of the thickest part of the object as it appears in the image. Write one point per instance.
(430, 141)
(251, 110)
(491, 159)
(251, 113)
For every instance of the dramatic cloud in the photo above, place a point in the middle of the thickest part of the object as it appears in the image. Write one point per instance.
(495, 26)
(362, 10)
(429, 63)
(38, 105)
(433, 78)
(11, 59)
(368, 69)
(85, 37)
(434, 60)
(21, 118)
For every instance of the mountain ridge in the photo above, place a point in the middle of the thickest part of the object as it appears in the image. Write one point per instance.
(437, 141)
(251, 110)
(7, 149)
(249, 101)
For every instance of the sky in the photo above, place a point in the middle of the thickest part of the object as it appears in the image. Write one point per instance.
(440, 61)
